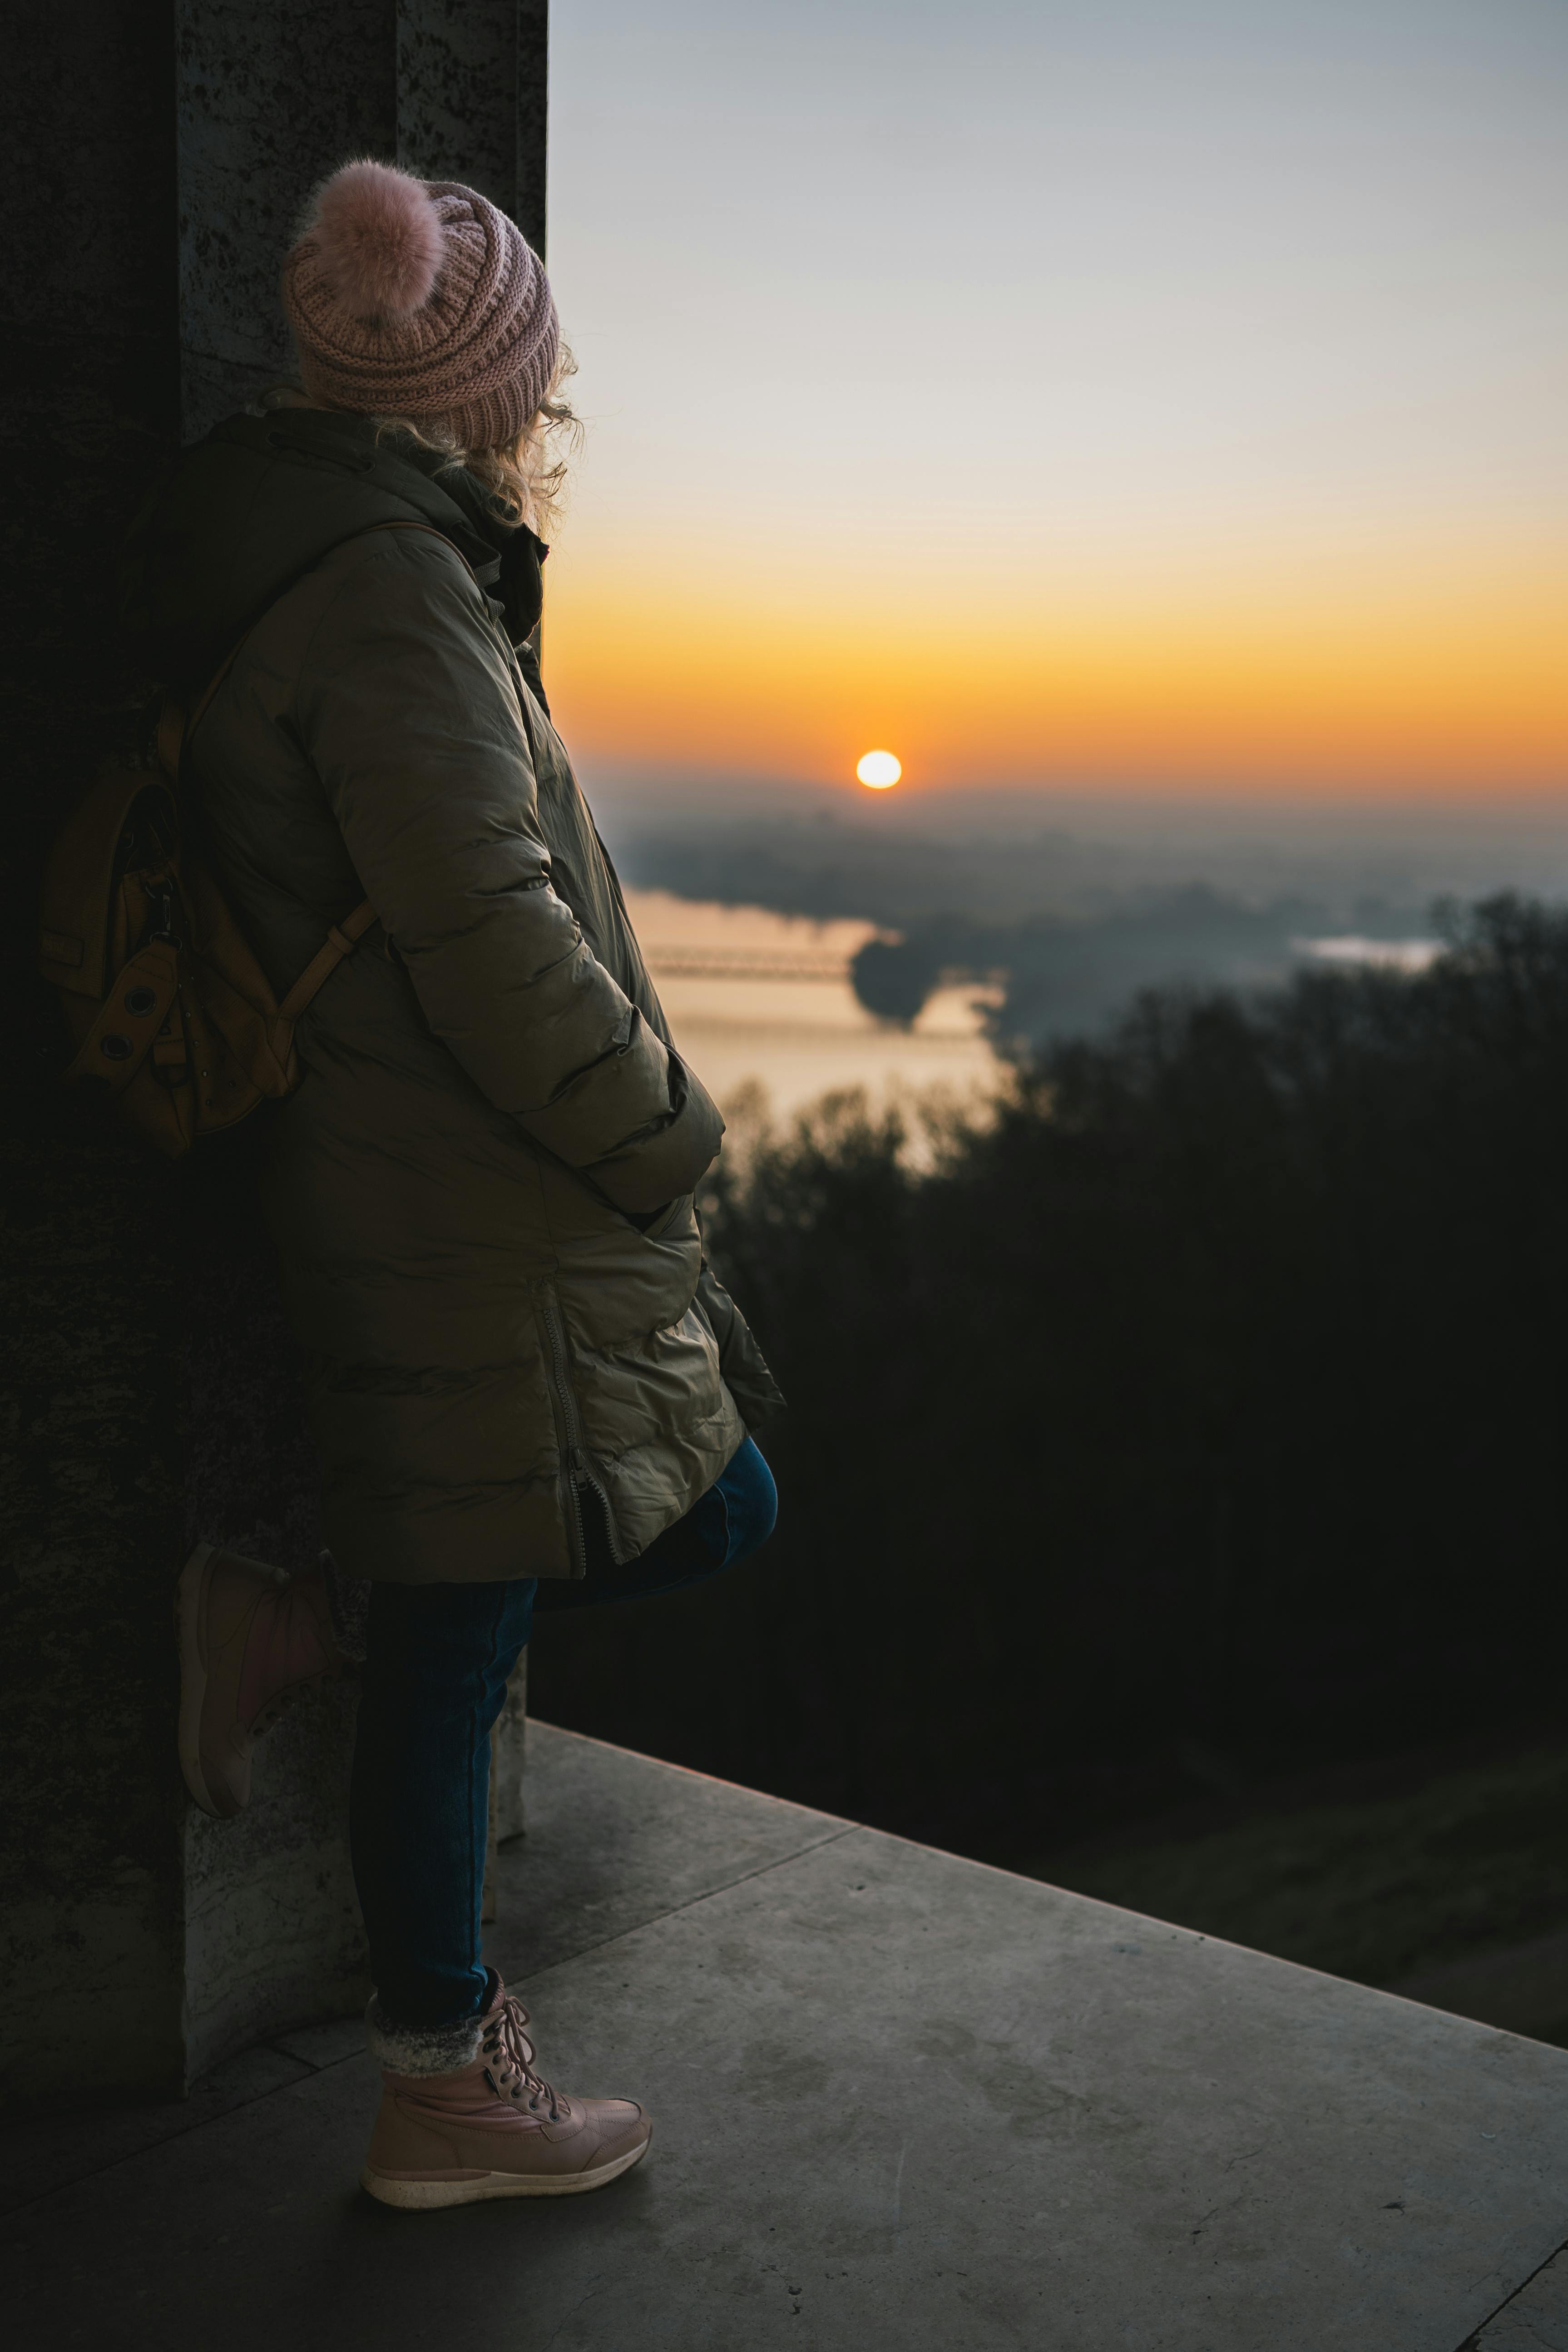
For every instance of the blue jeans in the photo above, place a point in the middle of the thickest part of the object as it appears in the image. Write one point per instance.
(437, 1658)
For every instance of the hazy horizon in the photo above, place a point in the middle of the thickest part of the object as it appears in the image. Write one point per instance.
(1089, 844)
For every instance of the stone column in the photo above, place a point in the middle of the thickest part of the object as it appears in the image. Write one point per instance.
(167, 149)
(90, 1917)
(272, 97)
(472, 98)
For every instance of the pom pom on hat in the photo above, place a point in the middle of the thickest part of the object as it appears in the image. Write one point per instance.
(378, 240)
(419, 299)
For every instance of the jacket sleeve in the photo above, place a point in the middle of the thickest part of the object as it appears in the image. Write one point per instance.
(408, 712)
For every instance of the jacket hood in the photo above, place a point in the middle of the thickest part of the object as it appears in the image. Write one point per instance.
(254, 506)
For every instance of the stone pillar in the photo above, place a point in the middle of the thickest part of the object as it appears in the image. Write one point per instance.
(471, 100)
(272, 97)
(269, 98)
(168, 150)
(90, 1509)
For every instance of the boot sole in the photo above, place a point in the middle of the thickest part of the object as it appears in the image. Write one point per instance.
(192, 1674)
(426, 2196)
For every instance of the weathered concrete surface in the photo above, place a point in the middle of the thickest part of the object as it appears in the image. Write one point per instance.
(267, 100)
(509, 1809)
(88, 1251)
(273, 1938)
(902, 2101)
(472, 98)
(89, 1834)
(617, 1840)
(1536, 2319)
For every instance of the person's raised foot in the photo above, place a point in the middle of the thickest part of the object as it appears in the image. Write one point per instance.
(491, 2126)
(250, 1638)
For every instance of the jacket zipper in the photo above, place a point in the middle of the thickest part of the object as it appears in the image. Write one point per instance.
(579, 1468)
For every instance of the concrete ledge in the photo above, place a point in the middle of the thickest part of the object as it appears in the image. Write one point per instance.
(1535, 2319)
(1523, 1987)
(901, 2100)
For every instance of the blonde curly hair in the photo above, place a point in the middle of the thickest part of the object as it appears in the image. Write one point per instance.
(528, 475)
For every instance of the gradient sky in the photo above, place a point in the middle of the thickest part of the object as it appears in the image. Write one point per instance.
(1119, 395)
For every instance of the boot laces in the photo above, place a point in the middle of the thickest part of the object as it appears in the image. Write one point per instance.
(510, 2073)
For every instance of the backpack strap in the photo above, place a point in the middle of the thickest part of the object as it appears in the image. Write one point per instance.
(341, 941)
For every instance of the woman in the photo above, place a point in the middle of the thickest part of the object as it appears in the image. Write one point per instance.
(525, 1382)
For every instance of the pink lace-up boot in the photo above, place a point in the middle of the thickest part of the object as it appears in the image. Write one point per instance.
(455, 2128)
(250, 1638)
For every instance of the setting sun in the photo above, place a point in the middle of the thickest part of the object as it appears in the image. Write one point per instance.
(878, 769)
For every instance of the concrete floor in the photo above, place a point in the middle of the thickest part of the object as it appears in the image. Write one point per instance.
(902, 2101)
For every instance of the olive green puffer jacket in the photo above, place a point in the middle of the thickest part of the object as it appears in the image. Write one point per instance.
(482, 1191)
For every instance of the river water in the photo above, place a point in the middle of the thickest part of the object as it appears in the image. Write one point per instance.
(761, 1006)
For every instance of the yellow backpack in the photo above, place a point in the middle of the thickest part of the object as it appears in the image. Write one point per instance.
(171, 1015)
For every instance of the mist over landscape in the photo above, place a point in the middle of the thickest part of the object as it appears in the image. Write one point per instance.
(1071, 911)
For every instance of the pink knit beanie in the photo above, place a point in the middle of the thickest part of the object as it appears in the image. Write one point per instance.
(416, 298)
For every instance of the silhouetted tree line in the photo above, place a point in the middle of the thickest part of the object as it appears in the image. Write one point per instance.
(1211, 1402)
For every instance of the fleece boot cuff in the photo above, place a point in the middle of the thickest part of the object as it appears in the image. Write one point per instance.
(421, 2049)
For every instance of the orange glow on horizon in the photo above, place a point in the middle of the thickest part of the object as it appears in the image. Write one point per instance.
(1447, 682)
